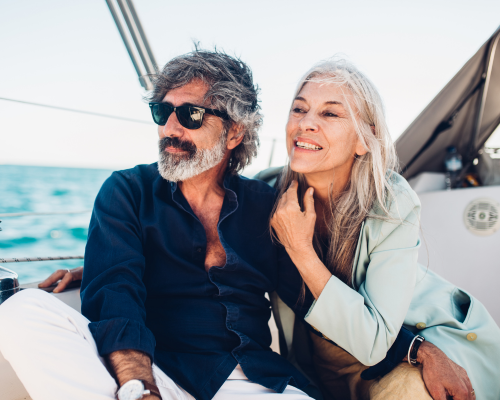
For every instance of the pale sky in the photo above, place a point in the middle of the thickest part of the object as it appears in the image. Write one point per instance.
(68, 53)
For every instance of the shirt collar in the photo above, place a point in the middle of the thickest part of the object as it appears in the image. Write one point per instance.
(229, 183)
(175, 196)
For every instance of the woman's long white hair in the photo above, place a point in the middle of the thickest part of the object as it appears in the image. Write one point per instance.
(371, 173)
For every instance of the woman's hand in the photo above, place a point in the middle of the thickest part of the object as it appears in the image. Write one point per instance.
(295, 230)
(65, 276)
(294, 227)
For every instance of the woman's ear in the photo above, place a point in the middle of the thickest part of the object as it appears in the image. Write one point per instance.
(360, 149)
(235, 136)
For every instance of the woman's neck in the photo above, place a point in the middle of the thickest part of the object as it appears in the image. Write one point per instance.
(326, 184)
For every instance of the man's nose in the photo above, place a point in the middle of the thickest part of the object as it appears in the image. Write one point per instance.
(172, 128)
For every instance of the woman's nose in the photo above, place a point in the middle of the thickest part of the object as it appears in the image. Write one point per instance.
(308, 123)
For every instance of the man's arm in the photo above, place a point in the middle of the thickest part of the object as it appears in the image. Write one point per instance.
(113, 292)
(441, 375)
(443, 378)
(63, 277)
(131, 364)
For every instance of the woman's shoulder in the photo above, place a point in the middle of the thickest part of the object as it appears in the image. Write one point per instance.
(400, 199)
(401, 214)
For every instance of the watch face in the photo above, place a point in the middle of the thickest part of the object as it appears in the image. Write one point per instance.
(132, 390)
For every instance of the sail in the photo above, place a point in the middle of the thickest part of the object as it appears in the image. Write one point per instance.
(463, 114)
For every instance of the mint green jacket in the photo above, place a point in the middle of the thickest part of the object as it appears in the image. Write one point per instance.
(392, 290)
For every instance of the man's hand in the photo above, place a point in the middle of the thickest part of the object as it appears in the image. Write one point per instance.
(65, 276)
(150, 397)
(131, 364)
(443, 378)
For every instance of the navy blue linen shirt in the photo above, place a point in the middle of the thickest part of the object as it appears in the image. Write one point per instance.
(145, 286)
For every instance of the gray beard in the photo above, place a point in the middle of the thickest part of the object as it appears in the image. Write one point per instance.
(177, 168)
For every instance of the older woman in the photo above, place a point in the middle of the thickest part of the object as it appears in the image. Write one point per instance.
(350, 224)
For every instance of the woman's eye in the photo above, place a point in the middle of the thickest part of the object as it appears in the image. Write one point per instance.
(297, 110)
(329, 114)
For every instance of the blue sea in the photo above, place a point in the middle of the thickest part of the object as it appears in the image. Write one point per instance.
(45, 189)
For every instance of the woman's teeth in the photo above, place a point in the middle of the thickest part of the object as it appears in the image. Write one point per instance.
(308, 146)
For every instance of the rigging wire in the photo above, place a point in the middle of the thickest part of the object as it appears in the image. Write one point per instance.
(33, 259)
(25, 214)
(139, 121)
(77, 111)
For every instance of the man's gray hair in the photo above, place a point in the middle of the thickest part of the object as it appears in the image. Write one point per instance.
(231, 89)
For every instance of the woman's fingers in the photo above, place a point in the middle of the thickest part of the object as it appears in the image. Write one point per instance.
(281, 202)
(274, 219)
(65, 281)
(59, 274)
(294, 227)
(309, 202)
(292, 192)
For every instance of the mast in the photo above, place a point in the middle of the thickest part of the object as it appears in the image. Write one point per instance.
(138, 49)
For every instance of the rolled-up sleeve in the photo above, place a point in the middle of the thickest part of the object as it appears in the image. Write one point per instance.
(366, 323)
(113, 293)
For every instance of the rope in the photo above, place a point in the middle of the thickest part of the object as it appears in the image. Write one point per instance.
(33, 259)
(77, 111)
(139, 121)
(24, 214)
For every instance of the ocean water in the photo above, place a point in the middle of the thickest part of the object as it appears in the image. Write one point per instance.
(45, 189)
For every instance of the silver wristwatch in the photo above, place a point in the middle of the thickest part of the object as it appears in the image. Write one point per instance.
(134, 390)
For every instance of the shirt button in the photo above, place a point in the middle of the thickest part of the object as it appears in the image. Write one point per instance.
(421, 325)
(471, 337)
(230, 326)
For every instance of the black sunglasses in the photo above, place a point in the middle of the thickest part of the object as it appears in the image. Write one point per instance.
(190, 117)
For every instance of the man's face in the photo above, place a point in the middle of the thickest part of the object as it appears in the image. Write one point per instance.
(185, 153)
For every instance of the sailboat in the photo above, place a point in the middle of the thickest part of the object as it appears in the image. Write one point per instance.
(459, 225)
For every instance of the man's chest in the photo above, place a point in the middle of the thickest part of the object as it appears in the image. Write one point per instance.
(181, 243)
(215, 254)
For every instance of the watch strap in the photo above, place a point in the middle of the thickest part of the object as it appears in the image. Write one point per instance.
(153, 389)
(413, 351)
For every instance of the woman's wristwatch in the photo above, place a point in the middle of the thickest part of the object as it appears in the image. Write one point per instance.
(137, 389)
(413, 350)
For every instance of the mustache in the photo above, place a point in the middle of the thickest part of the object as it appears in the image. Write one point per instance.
(176, 143)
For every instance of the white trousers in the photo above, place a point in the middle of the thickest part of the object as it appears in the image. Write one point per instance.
(54, 355)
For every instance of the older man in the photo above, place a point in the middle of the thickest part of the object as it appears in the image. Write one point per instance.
(178, 262)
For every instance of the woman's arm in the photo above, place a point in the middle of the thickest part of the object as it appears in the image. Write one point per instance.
(295, 230)
(367, 322)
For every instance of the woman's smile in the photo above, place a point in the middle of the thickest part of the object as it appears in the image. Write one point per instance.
(307, 145)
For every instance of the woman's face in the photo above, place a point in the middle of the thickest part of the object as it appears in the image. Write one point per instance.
(320, 131)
